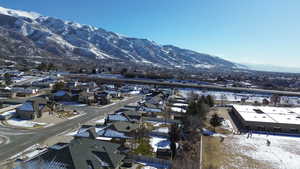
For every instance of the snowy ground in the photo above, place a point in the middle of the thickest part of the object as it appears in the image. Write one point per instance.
(180, 104)
(177, 109)
(8, 113)
(24, 123)
(148, 167)
(226, 124)
(157, 142)
(100, 121)
(162, 130)
(283, 152)
(235, 97)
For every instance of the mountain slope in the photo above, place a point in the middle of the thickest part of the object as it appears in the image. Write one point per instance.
(69, 40)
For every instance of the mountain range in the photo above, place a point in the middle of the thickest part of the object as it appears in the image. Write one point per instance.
(31, 35)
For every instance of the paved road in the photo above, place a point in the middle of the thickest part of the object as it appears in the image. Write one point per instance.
(29, 80)
(19, 143)
(190, 85)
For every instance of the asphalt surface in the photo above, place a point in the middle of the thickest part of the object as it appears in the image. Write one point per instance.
(19, 140)
(27, 81)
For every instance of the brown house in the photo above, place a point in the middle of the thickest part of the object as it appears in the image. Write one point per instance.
(32, 109)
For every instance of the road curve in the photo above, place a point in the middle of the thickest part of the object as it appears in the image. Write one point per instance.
(20, 143)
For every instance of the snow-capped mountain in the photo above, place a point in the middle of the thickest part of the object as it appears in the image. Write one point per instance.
(31, 34)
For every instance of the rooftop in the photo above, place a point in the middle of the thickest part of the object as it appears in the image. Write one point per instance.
(267, 114)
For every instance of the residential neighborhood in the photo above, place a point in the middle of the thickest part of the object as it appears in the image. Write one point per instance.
(84, 123)
(149, 84)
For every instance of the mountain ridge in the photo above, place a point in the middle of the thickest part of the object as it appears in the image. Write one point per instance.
(70, 40)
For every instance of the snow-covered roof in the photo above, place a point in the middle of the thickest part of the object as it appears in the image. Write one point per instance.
(117, 117)
(177, 109)
(101, 132)
(269, 114)
(180, 104)
(27, 106)
(60, 93)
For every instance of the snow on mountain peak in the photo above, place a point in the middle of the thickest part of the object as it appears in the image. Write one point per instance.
(19, 13)
(74, 40)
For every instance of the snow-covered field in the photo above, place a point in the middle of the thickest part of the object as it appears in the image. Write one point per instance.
(24, 123)
(282, 153)
(235, 97)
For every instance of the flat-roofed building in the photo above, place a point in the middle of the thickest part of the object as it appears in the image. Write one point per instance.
(263, 118)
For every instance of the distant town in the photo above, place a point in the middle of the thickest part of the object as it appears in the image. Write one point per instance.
(106, 118)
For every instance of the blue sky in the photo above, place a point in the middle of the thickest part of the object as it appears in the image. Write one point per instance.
(246, 31)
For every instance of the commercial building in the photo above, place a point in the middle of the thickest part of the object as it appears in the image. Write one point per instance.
(270, 119)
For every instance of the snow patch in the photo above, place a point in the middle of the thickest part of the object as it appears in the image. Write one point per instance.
(282, 153)
(19, 13)
(23, 123)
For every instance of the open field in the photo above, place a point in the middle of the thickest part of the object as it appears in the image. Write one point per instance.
(243, 152)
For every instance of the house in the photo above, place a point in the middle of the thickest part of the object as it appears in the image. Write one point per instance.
(161, 120)
(6, 92)
(102, 98)
(150, 108)
(109, 86)
(125, 127)
(132, 114)
(108, 133)
(163, 153)
(80, 153)
(86, 97)
(88, 86)
(114, 94)
(72, 84)
(45, 83)
(63, 95)
(23, 92)
(32, 109)
(118, 117)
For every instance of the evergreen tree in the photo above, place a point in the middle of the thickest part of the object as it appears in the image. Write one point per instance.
(7, 79)
(59, 86)
(51, 66)
(192, 108)
(42, 67)
(215, 121)
(203, 99)
(210, 100)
